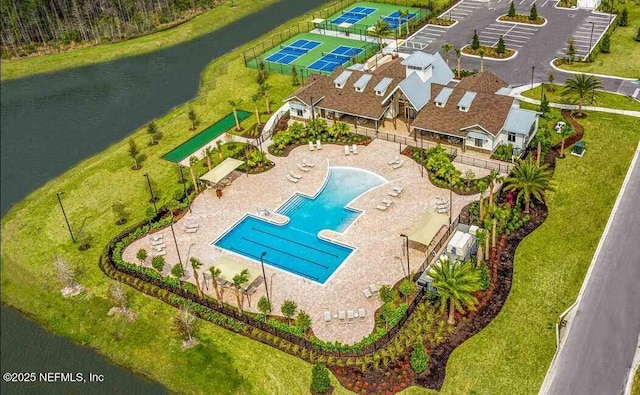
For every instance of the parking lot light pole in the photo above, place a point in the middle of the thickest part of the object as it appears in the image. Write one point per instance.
(590, 39)
(407, 246)
(175, 241)
(184, 186)
(533, 68)
(153, 198)
(65, 216)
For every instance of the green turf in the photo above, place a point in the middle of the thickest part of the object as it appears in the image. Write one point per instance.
(196, 142)
(607, 99)
(382, 10)
(329, 43)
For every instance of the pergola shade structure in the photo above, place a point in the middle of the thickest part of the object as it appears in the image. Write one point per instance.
(424, 231)
(222, 170)
(229, 268)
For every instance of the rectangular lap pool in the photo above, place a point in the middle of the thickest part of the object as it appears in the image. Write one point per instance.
(295, 246)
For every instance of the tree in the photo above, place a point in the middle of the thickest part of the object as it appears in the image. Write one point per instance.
(193, 118)
(565, 132)
(550, 78)
(256, 99)
(406, 288)
(264, 306)
(64, 272)
(381, 29)
(638, 35)
(215, 273)
(239, 280)
(571, 50)
(501, 48)
(530, 180)
(493, 178)
(262, 72)
(475, 41)
(220, 153)
(458, 55)
(533, 15)
(195, 265)
(134, 153)
(419, 358)
(119, 297)
(185, 324)
(320, 382)
(288, 309)
(581, 86)
(294, 76)
(208, 153)
(482, 186)
(544, 105)
(158, 262)
(404, 15)
(512, 10)
(235, 104)
(303, 321)
(481, 54)
(154, 132)
(338, 130)
(177, 271)
(193, 161)
(456, 282)
(624, 18)
(142, 255)
(120, 210)
(387, 294)
(480, 235)
(605, 45)
(264, 91)
(446, 47)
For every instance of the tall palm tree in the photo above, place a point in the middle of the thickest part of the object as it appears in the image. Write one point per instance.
(264, 91)
(235, 104)
(195, 265)
(238, 281)
(581, 86)
(255, 99)
(446, 47)
(455, 282)
(480, 235)
(381, 29)
(220, 155)
(215, 273)
(529, 180)
(565, 132)
(208, 153)
(482, 188)
(403, 15)
(192, 164)
(458, 56)
(481, 54)
(493, 178)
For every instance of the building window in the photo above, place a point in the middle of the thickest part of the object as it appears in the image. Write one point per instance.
(479, 142)
(300, 113)
(511, 137)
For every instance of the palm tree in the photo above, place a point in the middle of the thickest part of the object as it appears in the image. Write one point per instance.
(238, 281)
(565, 132)
(339, 129)
(220, 155)
(195, 265)
(458, 55)
(381, 29)
(235, 104)
(581, 86)
(493, 178)
(403, 15)
(456, 282)
(529, 180)
(215, 273)
(264, 91)
(482, 188)
(192, 163)
(480, 235)
(255, 99)
(446, 47)
(208, 153)
(481, 53)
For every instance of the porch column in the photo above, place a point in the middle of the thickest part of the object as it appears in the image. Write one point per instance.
(376, 122)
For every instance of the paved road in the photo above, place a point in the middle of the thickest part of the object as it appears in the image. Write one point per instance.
(599, 348)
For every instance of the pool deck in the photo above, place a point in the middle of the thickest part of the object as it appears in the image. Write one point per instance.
(378, 258)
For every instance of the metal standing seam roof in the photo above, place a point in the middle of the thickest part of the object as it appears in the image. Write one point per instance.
(467, 99)
(419, 60)
(417, 92)
(443, 96)
(362, 82)
(503, 91)
(478, 135)
(519, 121)
(342, 78)
(383, 85)
(222, 170)
(441, 72)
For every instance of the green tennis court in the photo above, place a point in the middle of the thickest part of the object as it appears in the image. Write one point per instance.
(201, 139)
(306, 49)
(364, 14)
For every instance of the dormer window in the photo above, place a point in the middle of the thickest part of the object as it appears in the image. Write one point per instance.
(362, 82)
(339, 86)
(465, 103)
(439, 104)
(382, 86)
(443, 96)
(463, 108)
(341, 80)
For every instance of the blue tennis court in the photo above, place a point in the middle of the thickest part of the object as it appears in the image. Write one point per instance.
(354, 15)
(394, 20)
(293, 51)
(337, 57)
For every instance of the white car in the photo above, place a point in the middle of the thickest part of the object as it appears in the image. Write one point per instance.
(559, 126)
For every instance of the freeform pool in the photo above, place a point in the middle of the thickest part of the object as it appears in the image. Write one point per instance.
(295, 246)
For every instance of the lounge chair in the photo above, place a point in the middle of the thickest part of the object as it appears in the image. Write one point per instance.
(294, 180)
(398, 189)
(382, 207)
(306, 163)
(342, 315)
(188, 225)
(350, 315)
(160, 247)
(362, 313)
(160, 253)
(440, 200)
(367, 293)
(294, 175)
(393, 193)
(311, 147)
(157, 237)
(387, 202)
(157, 242)
(318, 144)
(327, 316)
(393, 162)
(398, 165)
(302, 168)
(346, 150)
(443, 210)
(354, 149)
(373, 288)
(190, 230)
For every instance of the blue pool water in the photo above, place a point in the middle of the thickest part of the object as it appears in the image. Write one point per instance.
(295, 246)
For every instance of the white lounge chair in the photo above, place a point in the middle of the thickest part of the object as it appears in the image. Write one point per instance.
(294, 180)
(190, 225)
(387, 202)
(342, 315)
(373, 288)
(160, 253)
(393, 162)
(350, 315)
(160, 247)
(398, 189)
(354, 149)
(327, 316)
(393, 193)
(362, 313)
(301, 167)
(294, 175)
(306, 163)
(190, 230)
(157, 242)
(367, 293)
(311, 147)
(440, 200)
(398, 165)
(346, 150)
(382, 207)
(443, 210)
(318, 144)
(157, 237)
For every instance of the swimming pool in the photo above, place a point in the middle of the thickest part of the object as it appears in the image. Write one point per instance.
(295, 246)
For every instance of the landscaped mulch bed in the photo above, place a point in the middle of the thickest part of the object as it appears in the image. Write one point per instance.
(522, 19)
(489, 52)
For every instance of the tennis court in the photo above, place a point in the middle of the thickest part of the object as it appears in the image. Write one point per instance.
(338, 57)
(354, 15)
(394, 19)
(293, 51)
(362, 15)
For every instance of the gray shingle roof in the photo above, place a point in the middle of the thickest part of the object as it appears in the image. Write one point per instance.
(519, 121)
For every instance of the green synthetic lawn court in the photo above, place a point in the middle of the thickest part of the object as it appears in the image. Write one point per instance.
(196, 142)
(381, 11)
(327, 44)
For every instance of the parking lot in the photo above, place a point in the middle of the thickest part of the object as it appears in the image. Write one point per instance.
(463, 10)
(588, 34)
(515, 35)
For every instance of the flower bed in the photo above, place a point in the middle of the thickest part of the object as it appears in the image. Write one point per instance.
(522, 19)
(489, 52)
(441, 22)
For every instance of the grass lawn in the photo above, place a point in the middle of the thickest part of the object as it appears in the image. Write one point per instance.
(198, 26)
(512, 354)
(607, 99)
(33, 232)
(624, 59)
(635, 390)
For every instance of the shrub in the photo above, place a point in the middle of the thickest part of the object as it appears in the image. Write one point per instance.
(406, 287)
(502, 47)
(288, 308)
(387, 294)
(142, 255)
(419, 358)
(320, 382)
(512, 10)
(303, 321)
(605, 45)
(624, 18)
(264, 306)
(177, 271)
(485, 278)
(504, 152)
(158, 263)
(475, 41)
(534, 13)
